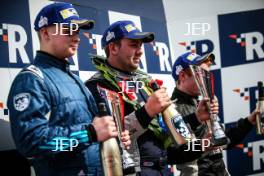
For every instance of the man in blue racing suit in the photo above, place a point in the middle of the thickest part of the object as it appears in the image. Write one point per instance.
(52, 113)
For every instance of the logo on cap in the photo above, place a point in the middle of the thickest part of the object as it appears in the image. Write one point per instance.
(66, 13)
(42, 21)
(110, 35)
(130, 27)
(191, 56)
(178, 69)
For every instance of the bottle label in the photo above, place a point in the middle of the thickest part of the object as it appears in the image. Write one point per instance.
(181, 127)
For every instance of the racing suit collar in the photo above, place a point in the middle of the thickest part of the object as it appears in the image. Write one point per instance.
(184, 96)
(49, 59)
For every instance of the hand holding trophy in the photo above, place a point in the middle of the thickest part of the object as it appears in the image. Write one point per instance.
(116, 160)
(203, 80)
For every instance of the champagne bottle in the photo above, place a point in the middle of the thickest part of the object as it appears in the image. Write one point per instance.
(110, 152)
(128, 162)
(260, 104)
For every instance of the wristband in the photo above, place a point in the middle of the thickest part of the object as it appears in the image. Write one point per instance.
(91, 132)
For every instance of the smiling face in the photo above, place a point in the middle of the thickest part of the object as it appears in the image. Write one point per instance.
(58, 45)
(125, 55)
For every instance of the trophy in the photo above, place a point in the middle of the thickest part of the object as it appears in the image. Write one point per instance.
(110, 151)
(203, 80)
(260, 106)
(113, 100)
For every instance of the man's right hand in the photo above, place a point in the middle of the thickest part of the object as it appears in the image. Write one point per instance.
(105, 128)
(157, 102)
(203, 113)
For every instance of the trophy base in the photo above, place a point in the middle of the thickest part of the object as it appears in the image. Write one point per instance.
(221, 142)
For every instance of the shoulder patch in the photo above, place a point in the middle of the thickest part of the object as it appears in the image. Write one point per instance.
(21, 101)
(35, 70)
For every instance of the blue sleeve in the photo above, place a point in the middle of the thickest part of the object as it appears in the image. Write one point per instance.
(30, 108)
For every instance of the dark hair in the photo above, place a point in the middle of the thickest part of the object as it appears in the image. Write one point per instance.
(187, 71)
(107, 52)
